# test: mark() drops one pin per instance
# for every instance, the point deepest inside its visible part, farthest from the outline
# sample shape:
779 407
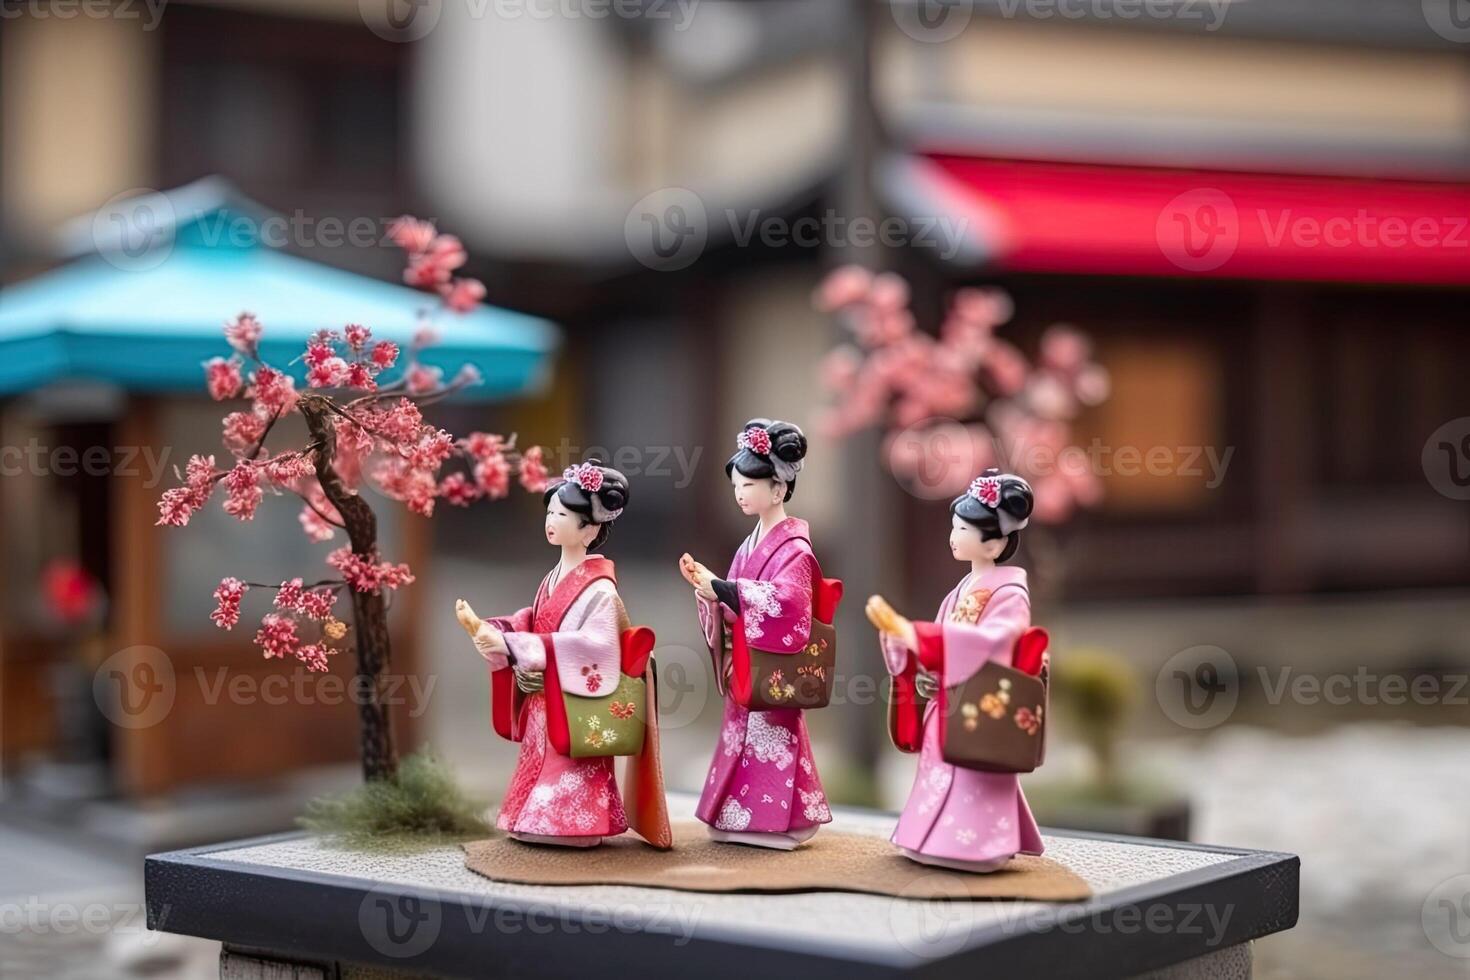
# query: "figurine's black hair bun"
612 495
1016 501
788 444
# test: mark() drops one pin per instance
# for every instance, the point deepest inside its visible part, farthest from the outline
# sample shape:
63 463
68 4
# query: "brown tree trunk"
369 612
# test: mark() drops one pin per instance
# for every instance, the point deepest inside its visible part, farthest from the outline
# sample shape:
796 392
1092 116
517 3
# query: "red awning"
1083 219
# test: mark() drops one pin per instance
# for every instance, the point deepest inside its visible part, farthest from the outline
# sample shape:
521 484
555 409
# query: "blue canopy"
148 320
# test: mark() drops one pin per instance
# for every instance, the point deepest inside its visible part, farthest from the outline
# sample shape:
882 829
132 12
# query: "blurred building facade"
535 131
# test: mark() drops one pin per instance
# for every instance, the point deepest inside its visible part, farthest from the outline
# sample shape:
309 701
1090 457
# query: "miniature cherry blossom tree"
359 433
965 396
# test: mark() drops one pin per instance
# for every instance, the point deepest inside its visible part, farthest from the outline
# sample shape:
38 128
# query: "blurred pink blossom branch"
967 382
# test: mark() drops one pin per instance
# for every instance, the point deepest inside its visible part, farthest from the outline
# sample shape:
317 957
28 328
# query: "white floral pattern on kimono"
757 601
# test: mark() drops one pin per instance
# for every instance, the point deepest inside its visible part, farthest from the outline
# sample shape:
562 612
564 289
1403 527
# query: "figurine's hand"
467 617
888 621
492 646
698 576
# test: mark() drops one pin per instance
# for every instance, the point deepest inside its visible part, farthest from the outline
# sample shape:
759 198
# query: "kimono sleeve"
777 610
588 650
520 620
955 651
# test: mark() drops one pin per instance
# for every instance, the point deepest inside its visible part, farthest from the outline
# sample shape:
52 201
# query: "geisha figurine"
573 646
762 787
964 814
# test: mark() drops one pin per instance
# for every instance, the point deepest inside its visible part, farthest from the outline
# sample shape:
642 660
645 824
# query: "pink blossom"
467 376
989 307
411 234
448 251
839 367
422 379
199 472
242 430
1064 348
384 354
483 445
227 602
290 595
431 449
243 333
357 336
394 575
243 486
463 295
399 422
317 603
423 272
368 574
274 392
314 526
223 377
179 504
277 636
353 446
318 351
534 475
176 506
889 293
492 476
456 489
314 655
844 286
360 375
328 374
414 486
1093 385
288 468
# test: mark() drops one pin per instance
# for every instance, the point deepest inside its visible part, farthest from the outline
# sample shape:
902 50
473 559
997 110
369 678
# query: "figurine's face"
967 545
756 495
564 527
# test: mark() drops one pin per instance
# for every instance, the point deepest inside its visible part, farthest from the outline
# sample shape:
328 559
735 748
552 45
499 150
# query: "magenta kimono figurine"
958 816
762 788
573 645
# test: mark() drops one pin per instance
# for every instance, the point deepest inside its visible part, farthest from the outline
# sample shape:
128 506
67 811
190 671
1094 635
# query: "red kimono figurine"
762 787
574 638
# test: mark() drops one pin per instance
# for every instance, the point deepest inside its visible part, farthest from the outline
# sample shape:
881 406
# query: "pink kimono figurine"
762 787
957 817
577 618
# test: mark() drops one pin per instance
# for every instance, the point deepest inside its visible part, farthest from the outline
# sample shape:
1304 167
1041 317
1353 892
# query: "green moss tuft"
420 807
